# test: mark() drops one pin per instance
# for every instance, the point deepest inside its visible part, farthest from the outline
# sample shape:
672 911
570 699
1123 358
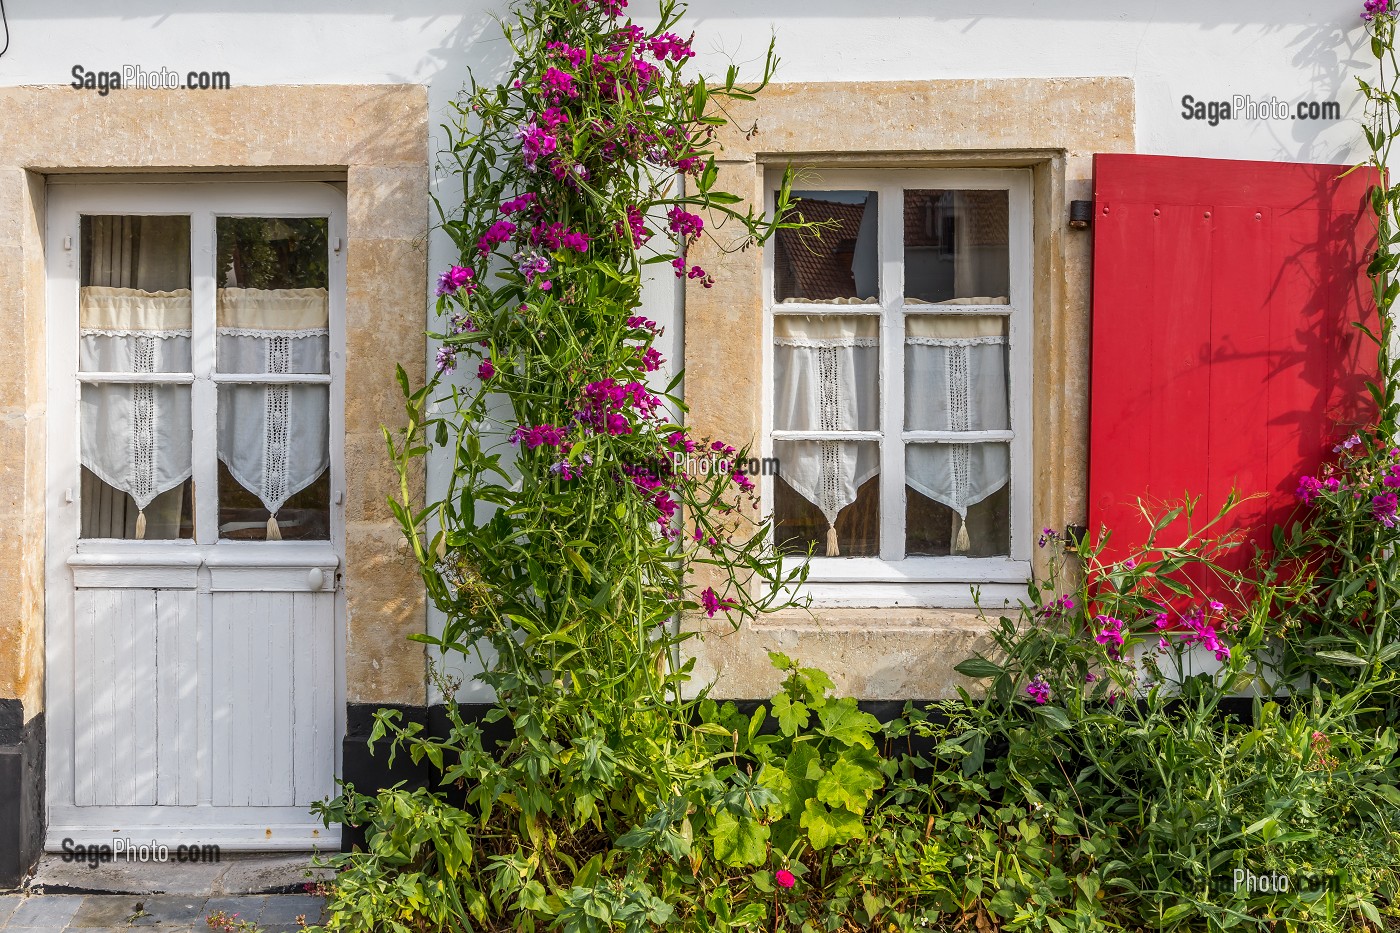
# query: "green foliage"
1142 732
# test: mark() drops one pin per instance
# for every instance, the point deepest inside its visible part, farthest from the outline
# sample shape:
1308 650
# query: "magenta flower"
1374 8
516 205
485 371
556 84
535 144
1038 690
684 224
540 435
1383 507
1112 631
785 878
1308 489
454 279
499 232
712 603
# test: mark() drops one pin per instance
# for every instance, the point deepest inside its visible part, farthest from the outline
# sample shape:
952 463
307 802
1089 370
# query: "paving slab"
99 912
50 910
284 909
247 907
8 903
170 909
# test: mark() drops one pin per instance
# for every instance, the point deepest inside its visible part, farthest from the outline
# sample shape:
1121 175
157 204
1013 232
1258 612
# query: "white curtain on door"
134 438
826 377
275 440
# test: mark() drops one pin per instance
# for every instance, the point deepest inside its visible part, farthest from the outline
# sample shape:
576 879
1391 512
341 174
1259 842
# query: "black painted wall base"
21 793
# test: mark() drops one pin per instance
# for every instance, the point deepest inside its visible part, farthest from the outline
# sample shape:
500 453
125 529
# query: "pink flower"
499 232
1383 507
785 878
712 603
1308 489
485 371
446 360
455 278
556 84
1112 631
516 205
683 223
1038 690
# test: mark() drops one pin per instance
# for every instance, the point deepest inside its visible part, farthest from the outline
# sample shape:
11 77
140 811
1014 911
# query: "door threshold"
233 874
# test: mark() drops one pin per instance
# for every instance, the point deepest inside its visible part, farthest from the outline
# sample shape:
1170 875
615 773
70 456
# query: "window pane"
273 301
835 262
826 372
955 373
957 500
135 451
274 455
827 497
134 295
955 247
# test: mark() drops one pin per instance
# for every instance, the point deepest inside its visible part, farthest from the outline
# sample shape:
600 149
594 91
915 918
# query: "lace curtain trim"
271 334
822 343
954 341
109 332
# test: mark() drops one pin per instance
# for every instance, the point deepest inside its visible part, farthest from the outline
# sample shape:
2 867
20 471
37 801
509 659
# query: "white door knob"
315 578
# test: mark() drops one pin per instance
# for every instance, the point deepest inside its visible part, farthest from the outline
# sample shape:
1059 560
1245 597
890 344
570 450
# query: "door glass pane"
274 458
955 372
273 301
135 451
955 247
826 372
837 260
957 500
134 294
827 496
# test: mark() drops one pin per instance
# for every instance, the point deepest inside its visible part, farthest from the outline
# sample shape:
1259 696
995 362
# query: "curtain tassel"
964 542
274 533
833 545
141 525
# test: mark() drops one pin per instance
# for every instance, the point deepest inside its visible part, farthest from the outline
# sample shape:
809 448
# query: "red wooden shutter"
1223 352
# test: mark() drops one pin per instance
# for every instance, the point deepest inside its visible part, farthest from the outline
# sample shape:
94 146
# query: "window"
204 372
899 380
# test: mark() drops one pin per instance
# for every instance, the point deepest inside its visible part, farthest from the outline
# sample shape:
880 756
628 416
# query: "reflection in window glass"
956 247
837 260
957 500
828 498
274 459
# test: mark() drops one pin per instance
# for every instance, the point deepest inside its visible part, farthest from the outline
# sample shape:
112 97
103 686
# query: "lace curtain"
275 440
137 438
826 373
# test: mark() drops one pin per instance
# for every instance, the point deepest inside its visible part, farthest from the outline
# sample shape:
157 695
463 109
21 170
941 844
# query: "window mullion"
891 252
204 397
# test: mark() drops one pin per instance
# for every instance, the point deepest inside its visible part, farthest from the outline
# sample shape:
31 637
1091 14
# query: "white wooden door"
195 532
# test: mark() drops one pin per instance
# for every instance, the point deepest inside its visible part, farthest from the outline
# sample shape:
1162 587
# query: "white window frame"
894 579
202 203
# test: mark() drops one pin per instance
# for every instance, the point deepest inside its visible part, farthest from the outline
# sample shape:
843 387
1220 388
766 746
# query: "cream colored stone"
904 654
384 597
377 136
387 201
1052 127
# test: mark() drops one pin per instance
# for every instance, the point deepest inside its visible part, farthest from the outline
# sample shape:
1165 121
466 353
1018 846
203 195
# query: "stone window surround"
373 138
1052 126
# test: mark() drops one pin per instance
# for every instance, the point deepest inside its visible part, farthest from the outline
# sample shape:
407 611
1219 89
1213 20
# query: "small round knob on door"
315 578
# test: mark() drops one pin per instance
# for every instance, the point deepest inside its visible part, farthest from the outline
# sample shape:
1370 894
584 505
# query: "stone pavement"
160 913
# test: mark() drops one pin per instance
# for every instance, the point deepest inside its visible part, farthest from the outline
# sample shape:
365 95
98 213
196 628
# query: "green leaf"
844 722
792 714
848 785
826 828
1342 657
1054 716
739 841
977 668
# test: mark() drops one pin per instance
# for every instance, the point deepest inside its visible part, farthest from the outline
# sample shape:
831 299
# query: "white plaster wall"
1290 49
